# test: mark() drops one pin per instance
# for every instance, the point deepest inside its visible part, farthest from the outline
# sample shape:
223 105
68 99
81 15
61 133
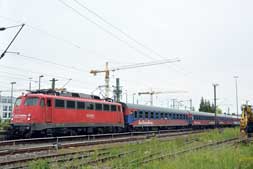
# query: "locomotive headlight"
29 117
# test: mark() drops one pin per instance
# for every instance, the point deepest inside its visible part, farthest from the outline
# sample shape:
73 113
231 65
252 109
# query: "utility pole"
190 104
173 103
215 119
12 83
39 80
133 97
30 83
126 95
117 91
236 95
53 83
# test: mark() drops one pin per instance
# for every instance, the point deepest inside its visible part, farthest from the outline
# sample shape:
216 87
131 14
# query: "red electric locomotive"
64 113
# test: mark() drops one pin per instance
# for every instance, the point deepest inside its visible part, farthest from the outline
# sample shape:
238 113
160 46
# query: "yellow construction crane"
151 93
132 66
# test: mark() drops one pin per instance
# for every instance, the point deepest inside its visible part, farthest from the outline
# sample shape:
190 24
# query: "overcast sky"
213 39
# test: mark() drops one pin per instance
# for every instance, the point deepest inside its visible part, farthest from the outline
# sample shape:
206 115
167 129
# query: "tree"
218 110
205 106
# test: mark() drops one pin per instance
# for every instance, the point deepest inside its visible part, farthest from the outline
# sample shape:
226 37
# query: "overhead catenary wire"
49 34
127 35
48 62
107 31
118 29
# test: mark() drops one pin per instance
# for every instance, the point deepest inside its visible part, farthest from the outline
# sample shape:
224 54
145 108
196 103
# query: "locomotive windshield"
30 101
18 102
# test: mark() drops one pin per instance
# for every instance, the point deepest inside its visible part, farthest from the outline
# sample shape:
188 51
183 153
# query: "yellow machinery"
246 122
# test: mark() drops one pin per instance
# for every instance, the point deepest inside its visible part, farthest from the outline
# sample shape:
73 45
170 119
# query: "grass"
215 158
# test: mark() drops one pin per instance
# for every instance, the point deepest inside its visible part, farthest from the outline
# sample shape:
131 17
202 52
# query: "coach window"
166 115
151 115
135 115
80 105
98 106
59 103
140 114
162 116
106 107
170 116
42 102
146 115
90 106
70 104
157 115
173 116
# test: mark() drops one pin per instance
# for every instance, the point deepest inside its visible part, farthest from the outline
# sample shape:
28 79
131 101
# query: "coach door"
49 110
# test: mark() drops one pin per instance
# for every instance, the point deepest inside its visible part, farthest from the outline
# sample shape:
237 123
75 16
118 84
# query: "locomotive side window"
90 106
70 104
106 107
59 103
42 102
113 108
31 101
80 105
98 106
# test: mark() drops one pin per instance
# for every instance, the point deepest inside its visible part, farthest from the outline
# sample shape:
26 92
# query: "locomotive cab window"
59 103
31 101
18 102
42 102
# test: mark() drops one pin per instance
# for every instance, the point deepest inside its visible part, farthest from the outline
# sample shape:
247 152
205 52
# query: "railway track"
55 143
161 155
10 158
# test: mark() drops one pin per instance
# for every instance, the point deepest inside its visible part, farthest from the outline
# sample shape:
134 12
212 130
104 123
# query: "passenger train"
51 113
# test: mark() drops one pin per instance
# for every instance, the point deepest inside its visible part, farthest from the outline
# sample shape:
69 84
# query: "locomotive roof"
71 98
